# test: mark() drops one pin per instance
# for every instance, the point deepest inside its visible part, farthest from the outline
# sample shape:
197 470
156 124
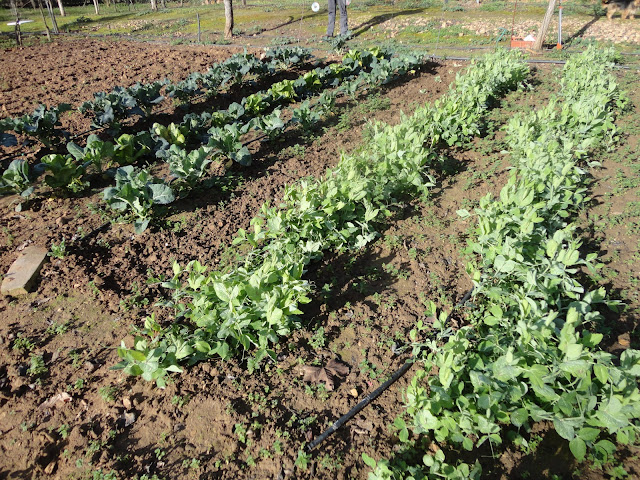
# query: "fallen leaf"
317 375
62 397
624 340
335 368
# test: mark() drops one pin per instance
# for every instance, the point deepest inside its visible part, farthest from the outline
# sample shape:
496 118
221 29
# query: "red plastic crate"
519 42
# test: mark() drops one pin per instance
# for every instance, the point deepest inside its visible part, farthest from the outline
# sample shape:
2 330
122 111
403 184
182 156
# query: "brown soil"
73 70
215 420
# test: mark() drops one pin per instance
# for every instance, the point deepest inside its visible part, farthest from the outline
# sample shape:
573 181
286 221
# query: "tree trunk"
52 16
44 20
33 4
16 13
228 19
244 3
95 4
164 4
545 25
154 5
61 7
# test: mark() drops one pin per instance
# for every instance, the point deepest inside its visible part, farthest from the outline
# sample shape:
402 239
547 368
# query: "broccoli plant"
147 95
305 116
271 124
109 109
189 167
41 124
227 140
134 195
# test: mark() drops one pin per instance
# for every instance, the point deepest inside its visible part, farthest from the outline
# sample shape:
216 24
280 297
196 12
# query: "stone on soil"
23 272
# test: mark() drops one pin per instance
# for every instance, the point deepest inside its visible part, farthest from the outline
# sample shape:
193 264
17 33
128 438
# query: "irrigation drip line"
376 393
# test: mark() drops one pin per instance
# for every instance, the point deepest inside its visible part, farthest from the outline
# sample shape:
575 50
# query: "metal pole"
559 45
199 33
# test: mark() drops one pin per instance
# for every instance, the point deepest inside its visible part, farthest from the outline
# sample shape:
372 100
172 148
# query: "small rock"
23 272
178 427
22 370
126 402
353 392
89 367
624 340
129 418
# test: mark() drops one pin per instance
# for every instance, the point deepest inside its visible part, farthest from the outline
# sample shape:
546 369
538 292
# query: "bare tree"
154 5
545 25
16 13
44 20
52 16
228 19
61 7
97 7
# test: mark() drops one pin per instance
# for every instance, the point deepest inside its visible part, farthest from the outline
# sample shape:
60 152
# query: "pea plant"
526 354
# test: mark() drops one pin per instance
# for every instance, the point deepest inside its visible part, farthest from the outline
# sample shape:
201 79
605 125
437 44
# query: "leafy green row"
225 138
110 109
249 308
73 171
527 355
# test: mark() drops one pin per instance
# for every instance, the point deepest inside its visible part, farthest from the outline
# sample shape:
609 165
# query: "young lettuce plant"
16 179
129 148
65 173
173 134
95 153
135 193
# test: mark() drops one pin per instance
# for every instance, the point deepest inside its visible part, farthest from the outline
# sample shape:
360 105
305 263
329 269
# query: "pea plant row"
529 351
190 146
111 109
249 307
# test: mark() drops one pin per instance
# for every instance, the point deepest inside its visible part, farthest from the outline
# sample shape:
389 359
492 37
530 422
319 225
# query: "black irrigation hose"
363 403
373 395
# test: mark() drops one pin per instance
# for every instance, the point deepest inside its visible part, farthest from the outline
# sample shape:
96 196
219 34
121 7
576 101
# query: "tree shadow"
582 30
378 19
292 19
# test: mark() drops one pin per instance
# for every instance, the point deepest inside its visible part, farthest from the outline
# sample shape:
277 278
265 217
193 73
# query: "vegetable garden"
237 257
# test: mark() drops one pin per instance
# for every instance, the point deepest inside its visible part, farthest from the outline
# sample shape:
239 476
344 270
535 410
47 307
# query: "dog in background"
627 8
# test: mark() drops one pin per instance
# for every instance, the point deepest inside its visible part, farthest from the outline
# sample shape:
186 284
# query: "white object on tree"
13 24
